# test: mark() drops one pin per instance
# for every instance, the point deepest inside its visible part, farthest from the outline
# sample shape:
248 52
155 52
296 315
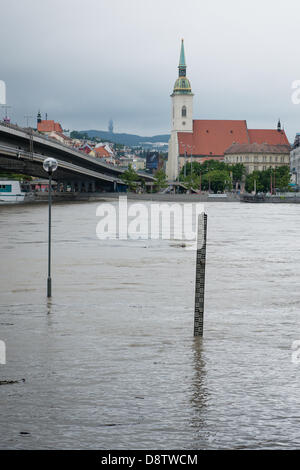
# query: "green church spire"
182 56
182 85
182 64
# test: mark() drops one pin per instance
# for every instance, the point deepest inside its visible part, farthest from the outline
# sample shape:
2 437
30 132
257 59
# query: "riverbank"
42 198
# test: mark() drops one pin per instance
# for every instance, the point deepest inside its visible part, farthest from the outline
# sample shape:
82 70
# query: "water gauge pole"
200 275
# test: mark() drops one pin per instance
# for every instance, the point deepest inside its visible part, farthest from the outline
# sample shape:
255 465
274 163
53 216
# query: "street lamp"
49 165
184 169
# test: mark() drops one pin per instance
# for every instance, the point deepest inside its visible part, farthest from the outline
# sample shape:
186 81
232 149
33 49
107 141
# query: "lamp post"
184 169
49 165
192 148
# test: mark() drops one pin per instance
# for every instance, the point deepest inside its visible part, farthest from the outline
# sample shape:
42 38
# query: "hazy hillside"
127 139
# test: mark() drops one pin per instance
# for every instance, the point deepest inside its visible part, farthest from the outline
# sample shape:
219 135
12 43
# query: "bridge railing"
32 132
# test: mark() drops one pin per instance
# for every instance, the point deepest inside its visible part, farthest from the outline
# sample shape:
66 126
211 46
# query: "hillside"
127 139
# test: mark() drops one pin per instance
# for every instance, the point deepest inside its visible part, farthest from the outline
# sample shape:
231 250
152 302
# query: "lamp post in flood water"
49 165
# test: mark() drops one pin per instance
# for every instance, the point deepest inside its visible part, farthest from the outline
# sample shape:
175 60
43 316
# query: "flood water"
111 362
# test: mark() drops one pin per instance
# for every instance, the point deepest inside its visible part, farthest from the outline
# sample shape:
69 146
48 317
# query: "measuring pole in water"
200 275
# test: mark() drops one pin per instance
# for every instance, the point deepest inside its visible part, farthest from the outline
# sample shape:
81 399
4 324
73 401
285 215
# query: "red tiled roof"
213 137
49 126
101 152
257 148
268 136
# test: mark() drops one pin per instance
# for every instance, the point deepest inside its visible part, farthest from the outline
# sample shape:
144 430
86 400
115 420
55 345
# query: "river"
111 362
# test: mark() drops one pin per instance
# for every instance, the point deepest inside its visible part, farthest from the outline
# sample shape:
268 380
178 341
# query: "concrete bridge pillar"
93 186
86 186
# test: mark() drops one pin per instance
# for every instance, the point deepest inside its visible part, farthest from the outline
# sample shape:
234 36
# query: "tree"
217 180
79 135
279 176
237 170
131 178
161 179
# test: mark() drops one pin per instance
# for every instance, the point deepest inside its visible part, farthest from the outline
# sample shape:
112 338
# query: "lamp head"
50 165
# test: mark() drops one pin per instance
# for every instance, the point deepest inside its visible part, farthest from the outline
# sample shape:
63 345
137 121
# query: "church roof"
270 136
49 126
213 137
237 148
182 85
182 56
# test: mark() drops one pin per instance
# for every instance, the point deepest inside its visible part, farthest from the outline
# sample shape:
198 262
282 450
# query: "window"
5 188
183 111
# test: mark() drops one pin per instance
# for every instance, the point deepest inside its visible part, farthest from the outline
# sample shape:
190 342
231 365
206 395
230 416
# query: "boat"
253 197
11 191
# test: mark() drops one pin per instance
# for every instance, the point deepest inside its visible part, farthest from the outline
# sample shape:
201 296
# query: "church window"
183 111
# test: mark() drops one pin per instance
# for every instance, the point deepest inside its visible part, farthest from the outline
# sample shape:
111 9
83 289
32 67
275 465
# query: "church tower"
182 115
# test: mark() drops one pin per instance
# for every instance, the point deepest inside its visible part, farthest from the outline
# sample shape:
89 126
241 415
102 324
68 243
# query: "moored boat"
11 191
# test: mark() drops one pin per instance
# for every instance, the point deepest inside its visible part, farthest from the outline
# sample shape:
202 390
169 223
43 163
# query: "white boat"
10 191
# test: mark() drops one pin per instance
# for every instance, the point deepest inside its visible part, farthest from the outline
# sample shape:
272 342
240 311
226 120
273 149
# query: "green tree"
131 178
217 180
279 176
79 135
161 179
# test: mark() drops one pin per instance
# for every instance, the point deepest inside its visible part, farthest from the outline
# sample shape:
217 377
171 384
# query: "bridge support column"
72 186
86 186
93 186
80 186
65 186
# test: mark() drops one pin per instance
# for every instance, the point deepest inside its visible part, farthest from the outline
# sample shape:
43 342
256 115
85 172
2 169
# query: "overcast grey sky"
84 62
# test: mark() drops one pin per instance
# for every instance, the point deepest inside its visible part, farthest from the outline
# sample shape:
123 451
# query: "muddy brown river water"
111 362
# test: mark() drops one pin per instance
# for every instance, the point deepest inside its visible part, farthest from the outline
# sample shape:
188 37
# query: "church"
205 139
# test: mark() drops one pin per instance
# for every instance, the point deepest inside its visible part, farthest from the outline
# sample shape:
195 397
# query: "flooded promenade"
111 362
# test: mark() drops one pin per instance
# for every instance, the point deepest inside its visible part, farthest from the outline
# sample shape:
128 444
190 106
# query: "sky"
84 62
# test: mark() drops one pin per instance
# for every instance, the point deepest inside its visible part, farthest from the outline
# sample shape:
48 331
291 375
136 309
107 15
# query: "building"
60 137
205 139
258 157
46 126
295 160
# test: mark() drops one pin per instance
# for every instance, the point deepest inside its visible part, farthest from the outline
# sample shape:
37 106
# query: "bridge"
24 150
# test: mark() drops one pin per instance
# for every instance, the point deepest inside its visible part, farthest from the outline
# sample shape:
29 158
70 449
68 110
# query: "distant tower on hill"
111 126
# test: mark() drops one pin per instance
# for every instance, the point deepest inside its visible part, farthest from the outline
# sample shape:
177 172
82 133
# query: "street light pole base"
49 287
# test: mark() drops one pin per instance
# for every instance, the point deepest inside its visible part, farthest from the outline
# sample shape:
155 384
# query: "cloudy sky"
86 61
